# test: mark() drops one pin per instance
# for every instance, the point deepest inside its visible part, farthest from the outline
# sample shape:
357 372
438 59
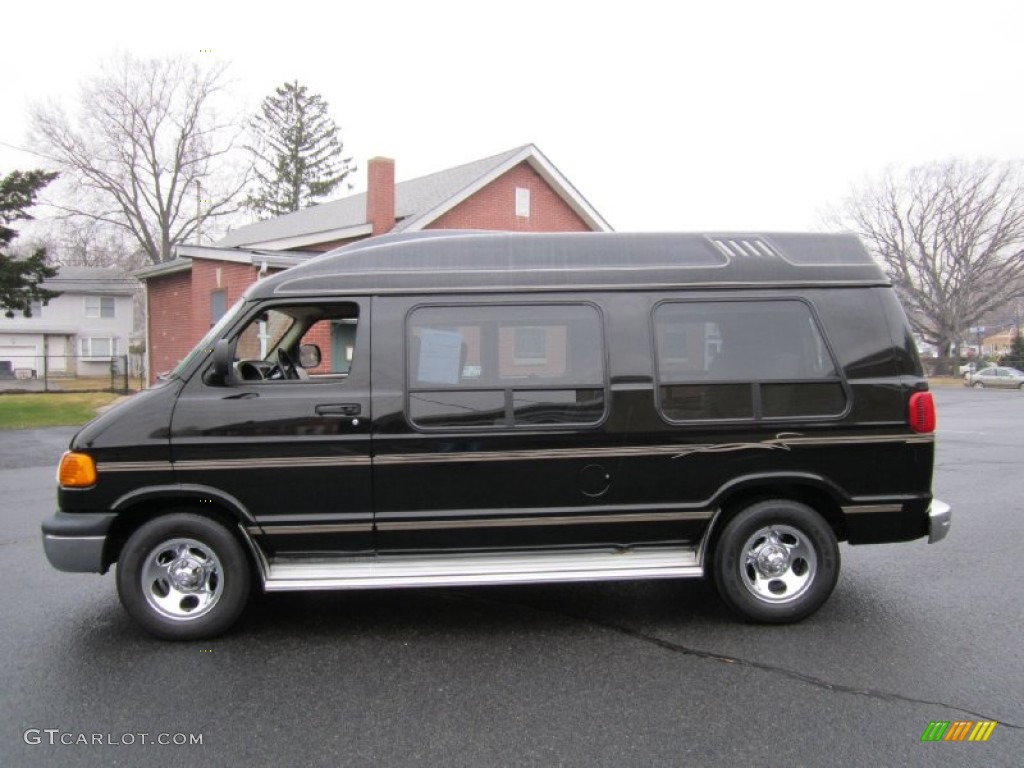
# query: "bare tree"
89 243
951 236
146 153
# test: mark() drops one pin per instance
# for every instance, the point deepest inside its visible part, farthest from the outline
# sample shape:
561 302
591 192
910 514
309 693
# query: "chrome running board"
475 569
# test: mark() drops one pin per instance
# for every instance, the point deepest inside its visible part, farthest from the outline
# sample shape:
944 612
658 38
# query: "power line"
28 151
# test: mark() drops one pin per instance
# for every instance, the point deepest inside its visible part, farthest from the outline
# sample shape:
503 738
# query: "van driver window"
300 343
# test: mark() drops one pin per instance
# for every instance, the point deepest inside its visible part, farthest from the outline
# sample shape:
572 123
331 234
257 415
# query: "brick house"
999 344
519 190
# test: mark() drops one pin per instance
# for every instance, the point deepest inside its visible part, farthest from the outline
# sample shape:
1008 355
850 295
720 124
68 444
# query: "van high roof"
454 261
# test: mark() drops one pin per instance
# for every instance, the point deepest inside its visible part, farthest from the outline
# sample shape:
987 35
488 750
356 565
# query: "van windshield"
206 343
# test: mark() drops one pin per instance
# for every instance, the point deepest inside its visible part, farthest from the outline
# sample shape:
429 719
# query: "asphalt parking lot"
625 674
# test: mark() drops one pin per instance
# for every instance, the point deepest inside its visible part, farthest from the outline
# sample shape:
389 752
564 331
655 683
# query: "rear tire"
183 577
776 561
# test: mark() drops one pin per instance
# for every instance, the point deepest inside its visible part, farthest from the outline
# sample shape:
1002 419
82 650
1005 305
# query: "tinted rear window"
743 360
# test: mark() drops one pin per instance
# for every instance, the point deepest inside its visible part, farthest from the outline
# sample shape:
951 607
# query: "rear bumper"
940 515
75 542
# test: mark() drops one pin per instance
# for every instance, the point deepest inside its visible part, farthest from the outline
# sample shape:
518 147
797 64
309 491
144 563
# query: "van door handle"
338 409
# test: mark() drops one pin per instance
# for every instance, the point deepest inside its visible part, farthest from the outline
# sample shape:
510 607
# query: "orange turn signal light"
77 470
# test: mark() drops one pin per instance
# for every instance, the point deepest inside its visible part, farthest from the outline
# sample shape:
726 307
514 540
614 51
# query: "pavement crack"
791 674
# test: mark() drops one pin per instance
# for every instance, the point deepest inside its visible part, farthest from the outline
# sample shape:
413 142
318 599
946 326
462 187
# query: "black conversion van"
478 408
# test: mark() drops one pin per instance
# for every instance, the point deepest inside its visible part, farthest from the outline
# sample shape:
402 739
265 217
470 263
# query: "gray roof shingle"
106 280
412 198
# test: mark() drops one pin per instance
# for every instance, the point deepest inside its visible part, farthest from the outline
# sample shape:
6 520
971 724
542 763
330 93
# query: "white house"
77 333
924 348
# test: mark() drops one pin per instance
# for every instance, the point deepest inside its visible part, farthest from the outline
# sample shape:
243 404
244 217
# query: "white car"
996 376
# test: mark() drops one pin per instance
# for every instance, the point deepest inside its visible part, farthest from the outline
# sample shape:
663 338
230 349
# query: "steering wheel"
284 362
249 371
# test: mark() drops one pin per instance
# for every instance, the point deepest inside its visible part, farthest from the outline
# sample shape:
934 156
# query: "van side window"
305 343
505 365
743 360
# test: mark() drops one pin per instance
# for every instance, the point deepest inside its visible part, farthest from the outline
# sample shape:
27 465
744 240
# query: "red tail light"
922 412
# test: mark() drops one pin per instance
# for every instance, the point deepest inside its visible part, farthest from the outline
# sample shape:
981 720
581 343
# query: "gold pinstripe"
520 522
783 441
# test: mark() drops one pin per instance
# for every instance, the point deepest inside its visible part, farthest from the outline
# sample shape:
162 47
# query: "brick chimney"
380 194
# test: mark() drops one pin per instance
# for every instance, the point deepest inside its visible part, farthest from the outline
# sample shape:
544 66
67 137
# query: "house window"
522 203
343 342
98 346
217 306
531 346
35 309
99 306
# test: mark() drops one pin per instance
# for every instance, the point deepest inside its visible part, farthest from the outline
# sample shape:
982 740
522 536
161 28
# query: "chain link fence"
951 366
70 373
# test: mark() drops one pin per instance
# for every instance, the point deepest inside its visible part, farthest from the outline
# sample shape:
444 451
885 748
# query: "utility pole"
199 211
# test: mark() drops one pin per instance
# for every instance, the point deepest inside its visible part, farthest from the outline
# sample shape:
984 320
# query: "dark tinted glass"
800 399
684 402
717 358
739 341
454 408
502 346
557 406
505 365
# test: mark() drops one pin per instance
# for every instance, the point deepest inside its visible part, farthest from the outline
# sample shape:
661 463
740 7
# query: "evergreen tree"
20 277
296 151
1015 357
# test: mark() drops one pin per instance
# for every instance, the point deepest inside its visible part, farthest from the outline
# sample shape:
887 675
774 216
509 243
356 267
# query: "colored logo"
958 730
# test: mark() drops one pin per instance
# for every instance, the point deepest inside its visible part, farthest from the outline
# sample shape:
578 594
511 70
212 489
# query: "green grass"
95 383
946 381
50 409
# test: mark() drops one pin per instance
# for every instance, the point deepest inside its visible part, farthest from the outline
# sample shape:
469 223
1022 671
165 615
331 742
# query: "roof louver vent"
744 247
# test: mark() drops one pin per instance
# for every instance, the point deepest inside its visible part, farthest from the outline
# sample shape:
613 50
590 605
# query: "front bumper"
940 515
75 541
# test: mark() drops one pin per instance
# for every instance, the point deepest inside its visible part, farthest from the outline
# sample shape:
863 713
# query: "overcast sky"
713 115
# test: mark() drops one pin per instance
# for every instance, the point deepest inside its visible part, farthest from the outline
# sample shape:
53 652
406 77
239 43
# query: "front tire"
776 561
978 385
183 577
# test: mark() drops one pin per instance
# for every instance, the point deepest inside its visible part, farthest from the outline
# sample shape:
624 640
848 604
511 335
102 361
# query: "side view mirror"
221 370
309 356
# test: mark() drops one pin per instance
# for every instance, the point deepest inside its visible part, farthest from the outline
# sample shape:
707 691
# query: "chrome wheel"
183 576
182 579
776 561
778 564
